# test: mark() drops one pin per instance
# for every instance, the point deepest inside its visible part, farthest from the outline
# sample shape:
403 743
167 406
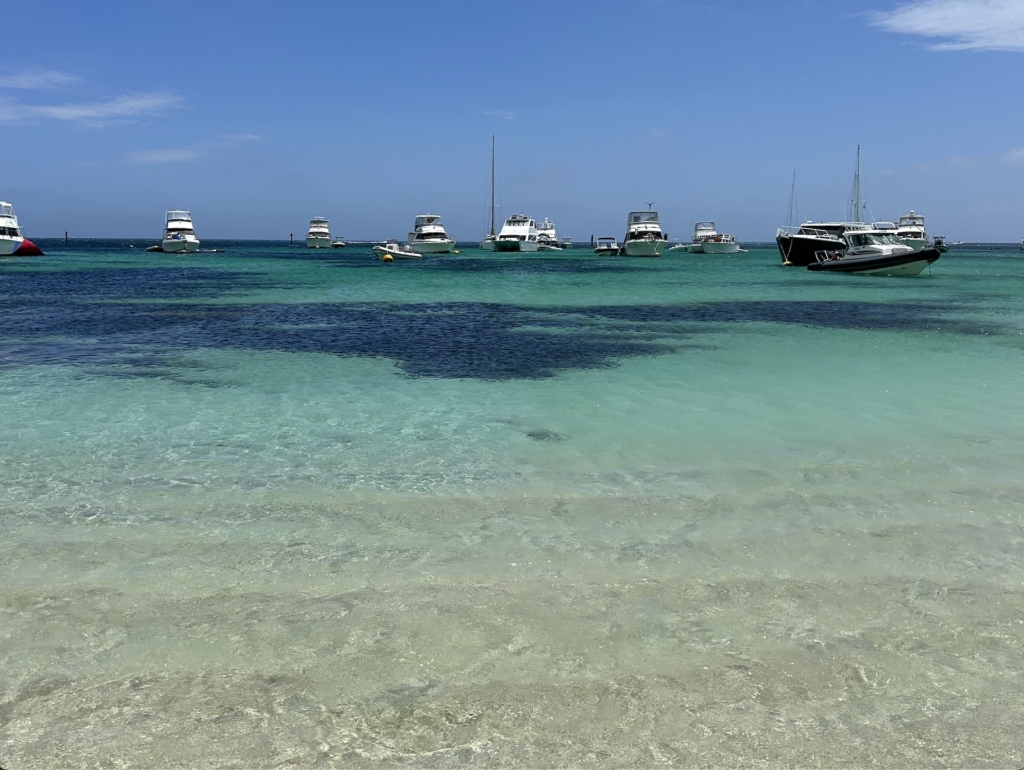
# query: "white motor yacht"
547 238
606 247
707 240
644 237
178 233
429 236
12 242
319 235
911 230
519 233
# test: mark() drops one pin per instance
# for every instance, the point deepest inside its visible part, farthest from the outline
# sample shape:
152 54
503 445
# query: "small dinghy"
395 250
902 263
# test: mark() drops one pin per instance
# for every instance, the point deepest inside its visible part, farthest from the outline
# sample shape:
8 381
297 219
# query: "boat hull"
172 246
914 243
711 247
609 252
644 248
9 245
800 250
487 245
318 242
382 251
908 263
522 246
432 247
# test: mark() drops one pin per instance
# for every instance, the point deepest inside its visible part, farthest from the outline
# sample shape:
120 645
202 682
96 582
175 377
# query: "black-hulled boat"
799 245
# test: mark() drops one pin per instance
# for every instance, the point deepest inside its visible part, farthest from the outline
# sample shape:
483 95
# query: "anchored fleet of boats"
852 246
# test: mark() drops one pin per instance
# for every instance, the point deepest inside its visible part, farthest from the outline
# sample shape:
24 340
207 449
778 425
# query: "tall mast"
856 186
492 184
792 199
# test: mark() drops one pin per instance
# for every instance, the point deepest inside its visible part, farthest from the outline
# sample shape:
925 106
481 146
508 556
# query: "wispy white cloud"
37 78
91 113
191 152
1015 156
967 25
506 114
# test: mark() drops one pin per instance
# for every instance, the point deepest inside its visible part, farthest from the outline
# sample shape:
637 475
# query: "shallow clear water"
274 506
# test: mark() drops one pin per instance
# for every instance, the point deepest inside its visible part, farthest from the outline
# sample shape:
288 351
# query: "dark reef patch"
135 322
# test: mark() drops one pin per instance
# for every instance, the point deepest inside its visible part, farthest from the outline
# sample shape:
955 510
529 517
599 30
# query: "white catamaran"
519 233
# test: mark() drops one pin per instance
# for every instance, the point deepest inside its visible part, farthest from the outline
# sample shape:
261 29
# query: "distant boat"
338 244
547 238
940 244
487 244
12 242
566 243
707 240
519 233
179 237
395 250
606 247
911 231
429 236
319 235
644 237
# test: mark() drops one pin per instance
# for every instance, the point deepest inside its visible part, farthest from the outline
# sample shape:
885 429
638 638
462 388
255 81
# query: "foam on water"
272 506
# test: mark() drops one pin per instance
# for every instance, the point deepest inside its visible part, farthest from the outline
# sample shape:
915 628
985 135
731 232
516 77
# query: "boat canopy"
704 226
427 219
318 221
639 217
176 216
6 209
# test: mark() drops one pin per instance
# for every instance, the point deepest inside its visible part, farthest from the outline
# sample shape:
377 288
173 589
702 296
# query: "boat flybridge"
429 236
519 233
178 233
644 237
12 242
547 238
319 235
911 230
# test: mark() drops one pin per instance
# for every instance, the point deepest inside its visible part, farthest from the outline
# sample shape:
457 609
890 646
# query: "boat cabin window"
420 221
872 239
179 216
639 217
12 231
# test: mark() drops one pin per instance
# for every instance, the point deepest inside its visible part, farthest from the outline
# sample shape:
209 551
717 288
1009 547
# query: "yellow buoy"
455 252
387 258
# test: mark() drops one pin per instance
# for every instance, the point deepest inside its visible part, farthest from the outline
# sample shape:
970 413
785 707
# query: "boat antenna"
492 184
792 201
650 204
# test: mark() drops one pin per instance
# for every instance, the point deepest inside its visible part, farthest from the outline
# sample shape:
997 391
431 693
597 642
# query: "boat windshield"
427 220
639 217
873 239
179 216
911 221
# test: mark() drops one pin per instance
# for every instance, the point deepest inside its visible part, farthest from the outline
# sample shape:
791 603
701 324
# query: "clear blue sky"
258 116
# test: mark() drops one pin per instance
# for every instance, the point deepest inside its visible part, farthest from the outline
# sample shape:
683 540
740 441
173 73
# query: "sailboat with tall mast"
488 242
799 245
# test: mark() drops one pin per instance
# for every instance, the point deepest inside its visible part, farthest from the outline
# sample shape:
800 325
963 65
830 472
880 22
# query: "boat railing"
792 230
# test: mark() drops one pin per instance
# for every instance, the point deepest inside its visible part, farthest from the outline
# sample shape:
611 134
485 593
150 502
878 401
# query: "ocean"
276 506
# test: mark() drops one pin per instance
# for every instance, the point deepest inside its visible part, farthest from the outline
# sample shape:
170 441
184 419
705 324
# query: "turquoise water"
273 506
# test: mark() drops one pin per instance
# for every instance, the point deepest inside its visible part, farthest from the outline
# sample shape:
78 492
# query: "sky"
257 116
